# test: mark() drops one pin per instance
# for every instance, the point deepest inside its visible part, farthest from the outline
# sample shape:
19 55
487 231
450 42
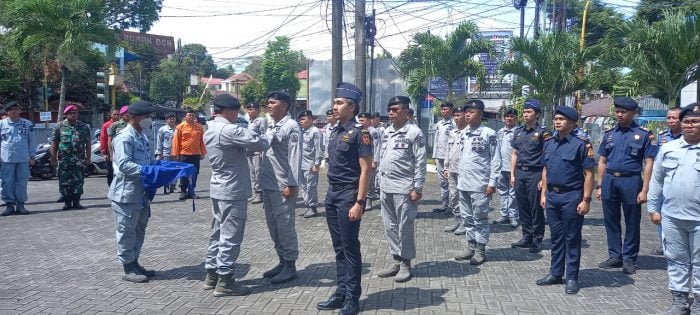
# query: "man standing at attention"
443 128
627 154
104 144
188 147
164 143
509 213
280 179
17 152
311 162
349 171
70 150
257 124
454 150
228 145
331 124
402 174
365 120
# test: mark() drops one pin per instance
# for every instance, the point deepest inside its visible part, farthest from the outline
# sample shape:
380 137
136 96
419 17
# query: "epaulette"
582 137
358 125
644 129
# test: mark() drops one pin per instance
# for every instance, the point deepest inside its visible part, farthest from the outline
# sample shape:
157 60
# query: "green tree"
450 58
224 73
279 68
254 68
195 59
168 83
656 10
125 14
60 30
549 65
252 92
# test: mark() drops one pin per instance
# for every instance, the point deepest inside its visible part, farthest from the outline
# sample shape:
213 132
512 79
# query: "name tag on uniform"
400 145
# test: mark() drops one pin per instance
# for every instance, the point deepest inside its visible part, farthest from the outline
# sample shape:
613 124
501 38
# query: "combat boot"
310 213
67 202
479 255
695 307
455 225
131 274
76 202
183 195
288 273
679 306
144 271
392 270
211 279
21 209
274 271
461 230
471 248
227 286
404 273
257 199
10 210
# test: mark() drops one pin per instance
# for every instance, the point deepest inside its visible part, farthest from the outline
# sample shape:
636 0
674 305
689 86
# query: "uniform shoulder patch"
589 150
294 136
653 139
546 135
420 141
366 138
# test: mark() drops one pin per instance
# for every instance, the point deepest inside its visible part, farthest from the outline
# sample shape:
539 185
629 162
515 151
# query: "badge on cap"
696 109
636 137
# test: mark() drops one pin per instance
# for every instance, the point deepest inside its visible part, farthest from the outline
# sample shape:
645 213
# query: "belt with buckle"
622 174
559 189
530 168
339 187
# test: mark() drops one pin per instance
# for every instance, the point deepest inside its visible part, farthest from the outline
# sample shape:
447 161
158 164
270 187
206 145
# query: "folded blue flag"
162 173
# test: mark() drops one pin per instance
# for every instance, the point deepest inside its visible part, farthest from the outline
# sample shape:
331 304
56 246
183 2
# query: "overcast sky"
231 29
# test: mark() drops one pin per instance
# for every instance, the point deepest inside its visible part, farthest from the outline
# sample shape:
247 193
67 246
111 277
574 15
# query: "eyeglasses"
693 122
393 109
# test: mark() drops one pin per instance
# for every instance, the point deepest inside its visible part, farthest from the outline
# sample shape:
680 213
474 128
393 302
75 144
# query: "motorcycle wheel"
49 174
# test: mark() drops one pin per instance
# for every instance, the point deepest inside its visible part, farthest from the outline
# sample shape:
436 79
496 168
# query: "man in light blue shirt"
164 142
17 150
673 192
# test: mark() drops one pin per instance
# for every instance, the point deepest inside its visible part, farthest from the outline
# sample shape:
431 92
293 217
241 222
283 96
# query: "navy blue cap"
349 91
568 112
510 111
329 112
364 115
459 109
532 104
376 115
253 105
141 108
474 104
625 102
399 100
447 104
280 96
11 105
692 110
305 113
227 101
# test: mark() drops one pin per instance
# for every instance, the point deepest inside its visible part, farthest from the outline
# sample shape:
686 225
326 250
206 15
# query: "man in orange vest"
188 147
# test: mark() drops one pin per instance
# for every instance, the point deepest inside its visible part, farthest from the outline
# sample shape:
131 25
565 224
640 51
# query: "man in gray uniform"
129 203
310 162
479 168
674 203
402 172
257 125
454 150
331 124
509 214
17 150
228 145
280 178
365 119
443 128
164 142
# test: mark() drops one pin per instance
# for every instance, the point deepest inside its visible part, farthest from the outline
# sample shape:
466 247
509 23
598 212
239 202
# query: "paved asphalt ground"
55 261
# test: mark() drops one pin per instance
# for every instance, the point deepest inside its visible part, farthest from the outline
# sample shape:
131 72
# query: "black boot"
144 271
133 275
76 202
67 202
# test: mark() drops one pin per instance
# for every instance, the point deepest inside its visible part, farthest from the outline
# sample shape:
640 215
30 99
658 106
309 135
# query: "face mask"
146 123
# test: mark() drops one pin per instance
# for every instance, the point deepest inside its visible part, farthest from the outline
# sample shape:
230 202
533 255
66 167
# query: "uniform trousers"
279 214
681 239
14 182
309 188
565 228
528 198
345 240
444 184
110 172
507 193
474 207
399 216
454 195
227 227
185 181
619 195
254 163
130 220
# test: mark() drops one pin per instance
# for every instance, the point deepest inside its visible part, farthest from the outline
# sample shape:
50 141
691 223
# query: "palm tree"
549 65
56 29
450 58
660 54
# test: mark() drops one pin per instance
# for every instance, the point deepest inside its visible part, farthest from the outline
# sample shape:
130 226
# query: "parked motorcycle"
44 170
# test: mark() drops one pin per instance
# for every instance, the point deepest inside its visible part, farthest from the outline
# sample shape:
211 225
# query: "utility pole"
371 31
520 5
538 9
563 16
337 45
360 52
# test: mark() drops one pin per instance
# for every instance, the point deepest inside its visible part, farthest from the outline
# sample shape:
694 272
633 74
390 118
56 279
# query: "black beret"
253 105
329 112
280 96
459 109
11 105
568 112
305 113
399 100
692 110
376 115
474 104
533 104
364 115
447 104
349 91
510 111
169 115
226 101
141 108
625 103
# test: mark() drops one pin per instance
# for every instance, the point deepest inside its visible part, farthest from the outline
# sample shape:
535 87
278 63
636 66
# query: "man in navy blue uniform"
566 196
349 172
525 176
625 152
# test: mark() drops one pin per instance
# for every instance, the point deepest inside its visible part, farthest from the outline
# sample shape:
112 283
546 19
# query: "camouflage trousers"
71 176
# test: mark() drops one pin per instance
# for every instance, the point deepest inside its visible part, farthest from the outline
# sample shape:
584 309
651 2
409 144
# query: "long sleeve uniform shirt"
454 150
442 134
675 181
104 137
281 164
480 162
402 164
312 155
18 143
188 139
131 152
164 140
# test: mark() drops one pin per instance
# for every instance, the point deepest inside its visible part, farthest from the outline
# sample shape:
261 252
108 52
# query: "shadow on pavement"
589 278
648 262
594 221
512 254
402 299
314 275
444 268
196 272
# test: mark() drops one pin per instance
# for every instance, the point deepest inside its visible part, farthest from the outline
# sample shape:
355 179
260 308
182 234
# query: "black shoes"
502 221
336 301
144 271
571 287
628 267
440 210
522 243
9 211
535 248
550 280
610 263
658 251
351 307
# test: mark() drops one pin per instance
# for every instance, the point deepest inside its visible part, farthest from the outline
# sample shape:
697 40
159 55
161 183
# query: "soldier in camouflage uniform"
70 150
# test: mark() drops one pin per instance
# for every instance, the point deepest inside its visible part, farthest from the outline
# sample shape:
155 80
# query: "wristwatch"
587 199
361 202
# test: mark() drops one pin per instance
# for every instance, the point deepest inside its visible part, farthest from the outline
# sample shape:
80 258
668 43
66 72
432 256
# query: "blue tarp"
163 173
